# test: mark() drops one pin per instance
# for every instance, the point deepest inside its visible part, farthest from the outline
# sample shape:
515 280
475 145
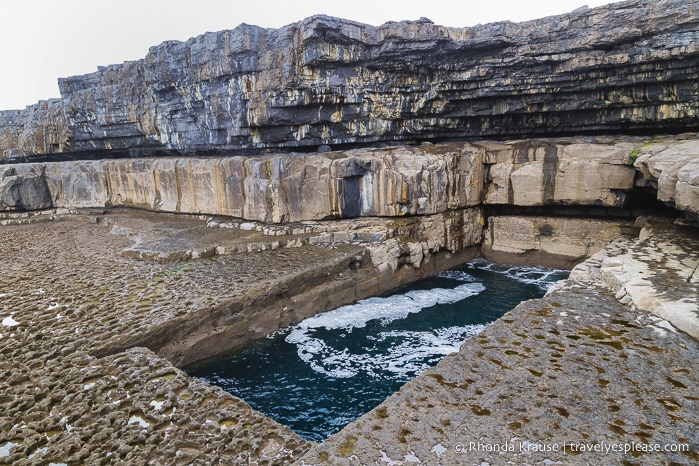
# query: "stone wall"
554 241
627 66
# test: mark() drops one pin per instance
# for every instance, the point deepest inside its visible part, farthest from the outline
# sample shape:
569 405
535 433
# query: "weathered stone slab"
564 172
66 407
282 188
574 378
23 187
556 241
658 273
672 169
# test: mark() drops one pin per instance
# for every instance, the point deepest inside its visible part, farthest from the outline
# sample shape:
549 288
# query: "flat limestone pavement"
98 307
578 377
68 294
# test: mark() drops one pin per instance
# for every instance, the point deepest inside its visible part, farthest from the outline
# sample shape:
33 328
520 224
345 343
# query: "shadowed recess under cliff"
625 67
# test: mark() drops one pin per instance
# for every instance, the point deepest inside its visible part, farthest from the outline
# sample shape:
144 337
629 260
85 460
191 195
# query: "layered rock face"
628 66
280 188
390 182
532 192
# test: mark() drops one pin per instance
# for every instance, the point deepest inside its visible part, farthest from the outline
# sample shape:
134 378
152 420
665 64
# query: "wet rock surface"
69 295
577 377
84 293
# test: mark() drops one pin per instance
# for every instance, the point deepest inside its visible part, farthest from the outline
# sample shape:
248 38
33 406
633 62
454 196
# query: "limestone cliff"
624 67
391 182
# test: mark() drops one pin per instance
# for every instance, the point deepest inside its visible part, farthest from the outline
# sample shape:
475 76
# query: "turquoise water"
318 376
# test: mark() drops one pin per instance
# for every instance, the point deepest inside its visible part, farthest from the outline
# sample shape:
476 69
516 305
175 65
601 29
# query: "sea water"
318 376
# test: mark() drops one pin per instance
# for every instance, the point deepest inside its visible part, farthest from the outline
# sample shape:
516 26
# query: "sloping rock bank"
626 67
578 377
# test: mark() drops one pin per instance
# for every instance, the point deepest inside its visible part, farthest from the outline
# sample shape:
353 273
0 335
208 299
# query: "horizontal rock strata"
555 241
99 306
628 66
391 182
76 311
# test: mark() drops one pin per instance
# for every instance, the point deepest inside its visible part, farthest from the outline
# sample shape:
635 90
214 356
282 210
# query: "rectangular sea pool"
320 375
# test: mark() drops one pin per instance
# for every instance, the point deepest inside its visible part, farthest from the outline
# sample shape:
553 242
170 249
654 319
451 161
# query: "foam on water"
458 275
398 358
385 309
542 277
332 368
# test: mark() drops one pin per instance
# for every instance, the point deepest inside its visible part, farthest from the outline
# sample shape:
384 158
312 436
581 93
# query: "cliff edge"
628 67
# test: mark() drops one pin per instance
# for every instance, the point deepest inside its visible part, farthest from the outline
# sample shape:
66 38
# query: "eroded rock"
23 187
325 82
672 169
557 241
558 379
388 182
656 273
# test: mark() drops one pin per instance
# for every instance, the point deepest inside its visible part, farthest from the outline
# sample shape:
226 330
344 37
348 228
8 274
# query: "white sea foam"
407 350
385 309
400 353
542 277
458 275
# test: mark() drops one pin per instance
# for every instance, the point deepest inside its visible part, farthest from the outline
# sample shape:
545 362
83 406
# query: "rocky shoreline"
77 374
157 215
94 297
585 375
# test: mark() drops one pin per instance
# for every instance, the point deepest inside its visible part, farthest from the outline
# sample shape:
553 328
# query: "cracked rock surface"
69 295
579 369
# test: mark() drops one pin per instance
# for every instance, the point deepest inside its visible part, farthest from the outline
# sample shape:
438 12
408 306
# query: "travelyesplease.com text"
569 447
